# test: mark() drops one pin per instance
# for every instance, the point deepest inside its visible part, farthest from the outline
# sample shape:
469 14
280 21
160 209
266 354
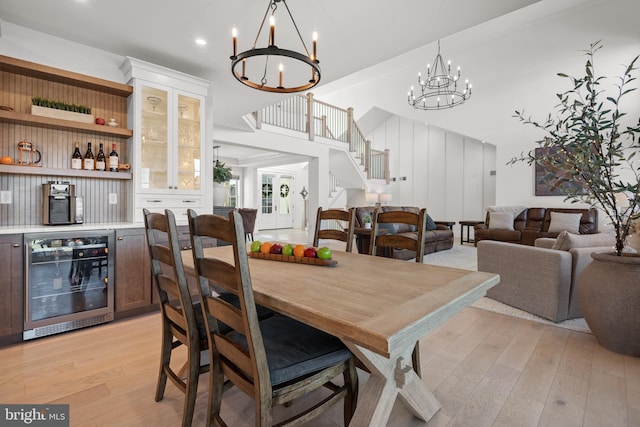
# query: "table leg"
390 379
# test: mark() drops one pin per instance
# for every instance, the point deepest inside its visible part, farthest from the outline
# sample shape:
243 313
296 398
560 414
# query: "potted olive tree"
599 147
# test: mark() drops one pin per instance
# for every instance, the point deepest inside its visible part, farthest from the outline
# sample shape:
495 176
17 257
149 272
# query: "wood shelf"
48 122
33 170
32 69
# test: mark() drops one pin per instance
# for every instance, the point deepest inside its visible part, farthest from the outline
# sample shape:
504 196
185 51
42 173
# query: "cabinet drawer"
177 204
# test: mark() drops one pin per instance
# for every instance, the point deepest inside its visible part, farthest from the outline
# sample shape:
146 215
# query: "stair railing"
302 113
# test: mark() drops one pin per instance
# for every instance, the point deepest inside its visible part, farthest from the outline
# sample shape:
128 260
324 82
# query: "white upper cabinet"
168 151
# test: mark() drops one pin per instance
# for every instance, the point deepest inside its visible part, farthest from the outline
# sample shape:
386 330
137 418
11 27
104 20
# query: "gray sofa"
538 279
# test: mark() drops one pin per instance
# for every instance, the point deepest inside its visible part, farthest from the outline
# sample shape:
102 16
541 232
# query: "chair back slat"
346 218
399 241
225 312
220 274
168 285
240 356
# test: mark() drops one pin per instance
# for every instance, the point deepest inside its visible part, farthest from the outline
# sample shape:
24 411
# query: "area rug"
465 257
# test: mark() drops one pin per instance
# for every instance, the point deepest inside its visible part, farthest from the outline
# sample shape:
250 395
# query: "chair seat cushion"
294 349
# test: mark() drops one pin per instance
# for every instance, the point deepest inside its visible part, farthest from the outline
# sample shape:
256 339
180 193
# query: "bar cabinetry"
133 272
11 289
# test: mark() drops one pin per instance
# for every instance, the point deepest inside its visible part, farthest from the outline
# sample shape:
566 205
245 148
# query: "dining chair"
273 361
248 221
346 218
182 320
413 241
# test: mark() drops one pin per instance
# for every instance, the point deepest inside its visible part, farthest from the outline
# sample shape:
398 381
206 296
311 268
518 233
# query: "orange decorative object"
6 160
298 250
265 248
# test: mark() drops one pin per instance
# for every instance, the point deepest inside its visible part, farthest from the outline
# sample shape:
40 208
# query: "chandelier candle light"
440 89
293 62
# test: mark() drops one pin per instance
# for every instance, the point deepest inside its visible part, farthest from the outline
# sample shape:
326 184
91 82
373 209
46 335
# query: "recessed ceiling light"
201 42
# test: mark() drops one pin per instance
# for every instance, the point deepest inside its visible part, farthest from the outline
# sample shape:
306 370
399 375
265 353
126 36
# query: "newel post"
386 165
310 116
258 116
349 125
367 158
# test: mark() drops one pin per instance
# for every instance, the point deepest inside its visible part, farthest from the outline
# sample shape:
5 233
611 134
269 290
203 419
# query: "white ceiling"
369 51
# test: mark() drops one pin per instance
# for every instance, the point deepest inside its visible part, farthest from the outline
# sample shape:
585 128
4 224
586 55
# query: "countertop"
18 229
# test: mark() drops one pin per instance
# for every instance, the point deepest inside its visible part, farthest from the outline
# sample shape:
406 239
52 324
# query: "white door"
276 201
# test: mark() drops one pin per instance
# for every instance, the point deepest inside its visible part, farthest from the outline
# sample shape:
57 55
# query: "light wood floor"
485 368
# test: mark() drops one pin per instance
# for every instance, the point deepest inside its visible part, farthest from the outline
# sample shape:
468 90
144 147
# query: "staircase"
352 161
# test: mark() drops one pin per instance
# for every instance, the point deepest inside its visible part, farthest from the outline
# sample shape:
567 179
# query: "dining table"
379 307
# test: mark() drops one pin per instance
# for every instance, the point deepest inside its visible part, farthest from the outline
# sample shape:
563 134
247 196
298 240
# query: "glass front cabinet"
168 151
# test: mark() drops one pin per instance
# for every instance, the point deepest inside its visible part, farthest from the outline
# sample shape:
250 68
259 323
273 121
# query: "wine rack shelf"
34 170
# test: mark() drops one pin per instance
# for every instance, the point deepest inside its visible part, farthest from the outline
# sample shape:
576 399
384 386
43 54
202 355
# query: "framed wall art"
549 178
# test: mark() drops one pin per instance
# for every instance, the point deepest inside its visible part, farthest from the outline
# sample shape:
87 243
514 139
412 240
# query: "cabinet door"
133 270
171 126
155 142
189 145
11 290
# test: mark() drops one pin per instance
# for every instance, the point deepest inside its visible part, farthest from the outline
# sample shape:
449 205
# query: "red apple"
310 252
100 121
276 248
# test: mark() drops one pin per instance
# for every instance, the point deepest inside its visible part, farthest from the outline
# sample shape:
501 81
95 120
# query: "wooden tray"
296 259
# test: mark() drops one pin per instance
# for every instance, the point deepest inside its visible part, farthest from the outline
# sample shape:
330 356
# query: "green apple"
287 250
324 253
255 246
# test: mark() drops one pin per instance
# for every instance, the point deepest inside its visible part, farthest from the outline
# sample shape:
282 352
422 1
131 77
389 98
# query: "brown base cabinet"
11 289
133 285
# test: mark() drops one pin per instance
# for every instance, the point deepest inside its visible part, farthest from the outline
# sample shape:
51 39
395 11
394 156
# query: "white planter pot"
220 194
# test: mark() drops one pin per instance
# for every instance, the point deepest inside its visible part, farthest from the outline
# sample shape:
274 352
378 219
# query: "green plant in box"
221 173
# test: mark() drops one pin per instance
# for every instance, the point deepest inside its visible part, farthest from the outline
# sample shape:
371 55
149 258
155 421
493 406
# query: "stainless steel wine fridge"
67 282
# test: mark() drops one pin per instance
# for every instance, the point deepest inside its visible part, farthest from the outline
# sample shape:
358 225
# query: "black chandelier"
302 68
440 89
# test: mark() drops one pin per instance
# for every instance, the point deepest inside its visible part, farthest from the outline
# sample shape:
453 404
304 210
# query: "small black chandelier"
302 69
440 89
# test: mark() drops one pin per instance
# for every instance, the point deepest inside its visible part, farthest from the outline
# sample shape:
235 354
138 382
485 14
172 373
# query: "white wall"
513 63
445 172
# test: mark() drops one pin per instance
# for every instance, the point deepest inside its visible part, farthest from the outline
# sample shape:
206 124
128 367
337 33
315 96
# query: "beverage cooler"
67 281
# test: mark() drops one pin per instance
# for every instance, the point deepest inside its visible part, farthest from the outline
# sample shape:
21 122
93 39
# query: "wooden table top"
374 302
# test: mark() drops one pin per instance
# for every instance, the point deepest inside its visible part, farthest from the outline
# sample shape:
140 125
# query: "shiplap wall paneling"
420 162
406 179
472 180
454 175
436 165
392 134
489 176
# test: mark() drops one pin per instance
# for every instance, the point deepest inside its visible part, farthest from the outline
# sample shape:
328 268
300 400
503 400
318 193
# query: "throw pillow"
565 221
566 240
430 224
501 220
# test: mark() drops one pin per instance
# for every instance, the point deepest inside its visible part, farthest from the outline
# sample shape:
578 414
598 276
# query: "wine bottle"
76 158
101 160
114 160
89 159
